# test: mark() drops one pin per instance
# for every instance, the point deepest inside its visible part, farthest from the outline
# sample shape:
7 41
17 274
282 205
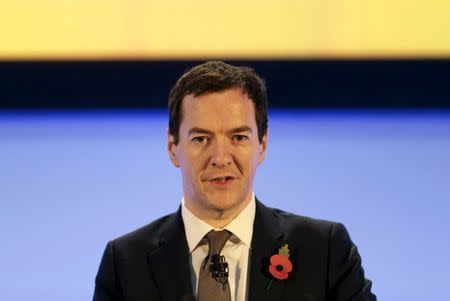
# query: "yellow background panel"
95 29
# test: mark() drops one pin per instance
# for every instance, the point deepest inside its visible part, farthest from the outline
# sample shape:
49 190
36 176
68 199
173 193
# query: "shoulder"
312 229
291 220
295 220
147 237
324 251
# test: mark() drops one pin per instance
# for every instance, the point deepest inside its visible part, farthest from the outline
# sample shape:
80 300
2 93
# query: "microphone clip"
219 268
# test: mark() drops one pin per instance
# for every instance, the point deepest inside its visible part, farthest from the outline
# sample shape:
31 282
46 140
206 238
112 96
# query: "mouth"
221 182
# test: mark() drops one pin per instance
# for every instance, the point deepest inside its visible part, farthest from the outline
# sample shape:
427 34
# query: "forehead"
227 108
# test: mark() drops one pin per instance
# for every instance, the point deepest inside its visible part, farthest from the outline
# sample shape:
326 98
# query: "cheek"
185 158
248 163
191 170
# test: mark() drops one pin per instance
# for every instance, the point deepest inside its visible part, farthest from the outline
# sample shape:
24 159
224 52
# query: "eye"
240 138
200 139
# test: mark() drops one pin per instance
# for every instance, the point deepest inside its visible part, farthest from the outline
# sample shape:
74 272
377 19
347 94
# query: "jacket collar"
267 239
169 261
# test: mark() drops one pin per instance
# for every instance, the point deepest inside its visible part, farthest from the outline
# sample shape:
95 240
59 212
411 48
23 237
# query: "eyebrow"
241 129
197 130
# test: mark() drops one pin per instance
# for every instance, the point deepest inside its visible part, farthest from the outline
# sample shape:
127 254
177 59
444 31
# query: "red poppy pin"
280 265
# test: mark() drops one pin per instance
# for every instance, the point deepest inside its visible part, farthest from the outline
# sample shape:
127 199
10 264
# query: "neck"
217 218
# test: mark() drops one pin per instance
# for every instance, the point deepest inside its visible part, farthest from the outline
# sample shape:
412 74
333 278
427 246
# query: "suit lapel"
169 263
267 239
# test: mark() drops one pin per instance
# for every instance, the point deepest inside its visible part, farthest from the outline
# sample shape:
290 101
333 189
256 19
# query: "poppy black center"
279 267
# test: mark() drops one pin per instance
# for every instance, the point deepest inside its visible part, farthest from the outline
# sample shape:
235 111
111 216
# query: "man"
222 243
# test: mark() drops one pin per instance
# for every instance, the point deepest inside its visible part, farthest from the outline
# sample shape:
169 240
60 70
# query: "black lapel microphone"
219 268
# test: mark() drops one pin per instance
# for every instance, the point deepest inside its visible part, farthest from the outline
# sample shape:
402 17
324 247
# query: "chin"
224 203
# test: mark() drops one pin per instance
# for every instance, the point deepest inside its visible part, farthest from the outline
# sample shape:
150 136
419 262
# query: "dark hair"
216 76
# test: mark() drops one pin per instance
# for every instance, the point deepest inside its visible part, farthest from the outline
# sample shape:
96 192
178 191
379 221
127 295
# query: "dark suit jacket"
152 263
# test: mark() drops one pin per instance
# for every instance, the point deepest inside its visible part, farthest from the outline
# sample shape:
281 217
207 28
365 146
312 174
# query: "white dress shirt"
236 249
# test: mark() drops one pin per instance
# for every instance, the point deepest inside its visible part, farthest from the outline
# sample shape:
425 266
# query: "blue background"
72 180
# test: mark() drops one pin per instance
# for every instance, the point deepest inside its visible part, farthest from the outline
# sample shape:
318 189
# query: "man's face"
218 152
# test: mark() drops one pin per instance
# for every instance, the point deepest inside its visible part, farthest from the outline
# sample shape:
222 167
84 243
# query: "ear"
263 147
171 147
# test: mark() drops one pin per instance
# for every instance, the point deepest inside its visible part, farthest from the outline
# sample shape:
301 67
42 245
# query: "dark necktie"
209 288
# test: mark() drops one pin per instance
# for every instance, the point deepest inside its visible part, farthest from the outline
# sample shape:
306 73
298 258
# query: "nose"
221 155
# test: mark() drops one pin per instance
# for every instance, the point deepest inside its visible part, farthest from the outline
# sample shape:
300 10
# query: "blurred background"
359 128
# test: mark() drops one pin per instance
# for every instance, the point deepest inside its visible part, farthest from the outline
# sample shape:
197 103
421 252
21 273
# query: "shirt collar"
241 226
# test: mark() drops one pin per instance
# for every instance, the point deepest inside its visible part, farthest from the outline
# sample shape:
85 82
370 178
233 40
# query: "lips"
221 182
221 179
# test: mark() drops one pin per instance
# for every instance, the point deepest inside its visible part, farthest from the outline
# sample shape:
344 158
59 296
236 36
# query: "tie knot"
216 240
